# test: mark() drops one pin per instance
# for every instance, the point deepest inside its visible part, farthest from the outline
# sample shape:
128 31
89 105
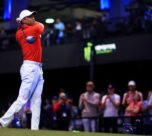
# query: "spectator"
134 110
129 96
148 113
150 103
54 100
49 118
47 36
132 98
89 104
59 28
110 104
78 26
74 113
47 108
54 121
62 112
69 30
86 29
78 31
135 107
62 94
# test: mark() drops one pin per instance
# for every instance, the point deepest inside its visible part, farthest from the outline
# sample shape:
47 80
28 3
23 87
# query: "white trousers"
30 90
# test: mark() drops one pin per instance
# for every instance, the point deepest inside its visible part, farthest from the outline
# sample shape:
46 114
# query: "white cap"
25 13
131 83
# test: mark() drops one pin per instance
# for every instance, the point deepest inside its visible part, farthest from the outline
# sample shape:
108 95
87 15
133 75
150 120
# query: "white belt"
32 62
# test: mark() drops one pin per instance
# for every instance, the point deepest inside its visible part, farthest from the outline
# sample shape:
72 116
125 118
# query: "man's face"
110 90
132 88
89 87
30 20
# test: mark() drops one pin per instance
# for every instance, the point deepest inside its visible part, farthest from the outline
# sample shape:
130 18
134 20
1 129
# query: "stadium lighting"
104 4
49 21
7 10
105 48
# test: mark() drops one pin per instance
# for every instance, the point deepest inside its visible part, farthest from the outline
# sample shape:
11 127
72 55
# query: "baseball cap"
25 13
131 83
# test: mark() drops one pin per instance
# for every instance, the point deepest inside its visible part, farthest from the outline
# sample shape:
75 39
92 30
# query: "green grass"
25 132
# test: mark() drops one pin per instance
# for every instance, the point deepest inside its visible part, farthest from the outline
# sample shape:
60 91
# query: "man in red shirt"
28 36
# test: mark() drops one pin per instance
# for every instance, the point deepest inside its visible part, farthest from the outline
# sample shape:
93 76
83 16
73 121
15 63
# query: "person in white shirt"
110 104
150 102
147 110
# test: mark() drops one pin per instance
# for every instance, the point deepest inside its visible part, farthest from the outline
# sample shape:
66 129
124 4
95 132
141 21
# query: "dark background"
65 67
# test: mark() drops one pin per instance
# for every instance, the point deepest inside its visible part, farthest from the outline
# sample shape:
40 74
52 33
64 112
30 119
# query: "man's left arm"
39 27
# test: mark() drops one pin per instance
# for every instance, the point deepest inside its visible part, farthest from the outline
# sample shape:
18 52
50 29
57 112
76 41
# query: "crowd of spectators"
72 31
78 30
109 112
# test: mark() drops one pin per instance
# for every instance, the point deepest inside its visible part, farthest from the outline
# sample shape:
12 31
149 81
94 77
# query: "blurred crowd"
78 30
73 31
95 112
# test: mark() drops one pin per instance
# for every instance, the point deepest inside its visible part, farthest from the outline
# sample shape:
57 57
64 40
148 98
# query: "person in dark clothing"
63 113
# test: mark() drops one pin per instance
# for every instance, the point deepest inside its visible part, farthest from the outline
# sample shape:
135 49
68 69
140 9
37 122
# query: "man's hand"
110 98
83 99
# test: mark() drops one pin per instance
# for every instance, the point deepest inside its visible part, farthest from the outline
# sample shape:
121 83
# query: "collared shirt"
32 52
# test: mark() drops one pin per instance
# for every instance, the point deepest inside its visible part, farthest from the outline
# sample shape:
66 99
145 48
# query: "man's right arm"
124 99
103 101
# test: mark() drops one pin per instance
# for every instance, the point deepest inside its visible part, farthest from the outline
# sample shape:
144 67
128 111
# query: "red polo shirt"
32 52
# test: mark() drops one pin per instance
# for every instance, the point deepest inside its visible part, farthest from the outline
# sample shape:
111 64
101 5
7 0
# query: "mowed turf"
25 132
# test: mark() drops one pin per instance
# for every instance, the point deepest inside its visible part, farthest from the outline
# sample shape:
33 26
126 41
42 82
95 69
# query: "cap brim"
32 13
18 19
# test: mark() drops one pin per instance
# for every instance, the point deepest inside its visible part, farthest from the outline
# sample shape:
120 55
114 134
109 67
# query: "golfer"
28 36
